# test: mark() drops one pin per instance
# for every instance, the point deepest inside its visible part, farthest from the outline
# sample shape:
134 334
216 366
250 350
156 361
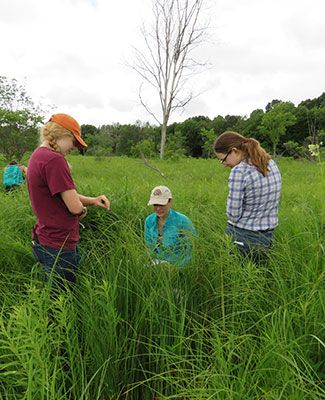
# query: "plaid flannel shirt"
253 199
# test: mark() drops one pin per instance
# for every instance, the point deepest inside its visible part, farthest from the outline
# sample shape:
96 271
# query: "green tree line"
282 128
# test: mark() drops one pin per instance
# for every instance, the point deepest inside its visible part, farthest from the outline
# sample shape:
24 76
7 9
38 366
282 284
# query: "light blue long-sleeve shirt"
175 245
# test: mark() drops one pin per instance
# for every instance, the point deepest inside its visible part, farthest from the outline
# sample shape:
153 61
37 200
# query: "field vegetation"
222 328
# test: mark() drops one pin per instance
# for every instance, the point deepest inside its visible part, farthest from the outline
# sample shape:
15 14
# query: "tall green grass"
222 328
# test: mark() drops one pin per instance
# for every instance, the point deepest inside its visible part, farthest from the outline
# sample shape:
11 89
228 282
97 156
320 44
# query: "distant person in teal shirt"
168 233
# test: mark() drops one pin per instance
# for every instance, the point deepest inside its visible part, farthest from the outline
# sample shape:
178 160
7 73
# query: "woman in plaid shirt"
254 192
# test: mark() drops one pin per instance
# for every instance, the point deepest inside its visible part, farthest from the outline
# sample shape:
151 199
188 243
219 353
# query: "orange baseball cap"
69 123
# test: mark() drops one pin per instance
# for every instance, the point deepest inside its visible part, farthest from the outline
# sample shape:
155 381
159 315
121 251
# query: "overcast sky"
73 54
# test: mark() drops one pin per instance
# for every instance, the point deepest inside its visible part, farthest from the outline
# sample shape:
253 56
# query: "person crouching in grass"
254 193
55 201
168 233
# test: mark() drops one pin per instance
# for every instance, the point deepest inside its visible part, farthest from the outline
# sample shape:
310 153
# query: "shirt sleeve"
236 195
58 177
146 233
189 227
188 233
151 237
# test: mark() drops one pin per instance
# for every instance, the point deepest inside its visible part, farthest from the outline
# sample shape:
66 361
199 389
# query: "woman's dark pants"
254 244
60 266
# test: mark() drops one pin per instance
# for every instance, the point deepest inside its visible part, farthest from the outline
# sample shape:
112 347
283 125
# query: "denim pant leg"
59 265
249 242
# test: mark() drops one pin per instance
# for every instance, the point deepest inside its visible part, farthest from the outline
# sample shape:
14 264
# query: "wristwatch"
84 210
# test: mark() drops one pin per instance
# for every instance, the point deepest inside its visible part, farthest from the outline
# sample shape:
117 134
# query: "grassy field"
219 329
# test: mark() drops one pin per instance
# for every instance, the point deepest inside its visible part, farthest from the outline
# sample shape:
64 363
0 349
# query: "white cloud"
70 96
72 53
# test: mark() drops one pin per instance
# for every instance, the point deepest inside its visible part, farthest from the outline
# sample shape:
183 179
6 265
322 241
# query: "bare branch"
147 108
152 166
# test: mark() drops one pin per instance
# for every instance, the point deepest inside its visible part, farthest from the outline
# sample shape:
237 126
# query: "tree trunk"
163 139
274 149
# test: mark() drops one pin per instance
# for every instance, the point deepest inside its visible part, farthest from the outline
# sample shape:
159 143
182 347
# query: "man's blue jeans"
60 265
252 243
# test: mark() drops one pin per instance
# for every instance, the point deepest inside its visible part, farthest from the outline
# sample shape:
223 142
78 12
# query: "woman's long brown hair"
253 151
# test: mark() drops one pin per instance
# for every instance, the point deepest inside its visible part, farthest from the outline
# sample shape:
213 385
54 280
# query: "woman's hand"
84 213
102 201
99 201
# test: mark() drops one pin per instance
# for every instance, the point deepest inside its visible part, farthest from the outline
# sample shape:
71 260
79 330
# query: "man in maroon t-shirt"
55 201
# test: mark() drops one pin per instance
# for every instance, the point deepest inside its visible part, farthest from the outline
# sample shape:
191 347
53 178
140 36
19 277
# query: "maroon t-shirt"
48 175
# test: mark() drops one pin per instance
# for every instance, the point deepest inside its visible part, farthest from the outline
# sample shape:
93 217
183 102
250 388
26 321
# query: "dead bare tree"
166 63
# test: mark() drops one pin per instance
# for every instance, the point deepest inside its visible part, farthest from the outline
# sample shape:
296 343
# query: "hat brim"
80 142
155 200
